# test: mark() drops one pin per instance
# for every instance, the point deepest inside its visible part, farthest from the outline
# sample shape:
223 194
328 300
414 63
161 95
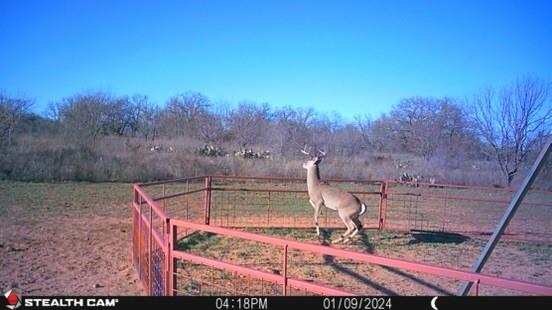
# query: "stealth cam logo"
13 300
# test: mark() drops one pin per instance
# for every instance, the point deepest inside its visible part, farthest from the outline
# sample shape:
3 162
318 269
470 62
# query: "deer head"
313 159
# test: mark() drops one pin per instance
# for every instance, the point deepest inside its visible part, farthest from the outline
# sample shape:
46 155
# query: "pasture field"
75 238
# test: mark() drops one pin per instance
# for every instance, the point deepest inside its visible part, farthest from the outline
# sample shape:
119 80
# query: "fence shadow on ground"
429 236
422 236
330 261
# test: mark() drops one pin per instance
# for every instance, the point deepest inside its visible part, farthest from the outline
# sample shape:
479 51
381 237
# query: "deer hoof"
337 240
346 241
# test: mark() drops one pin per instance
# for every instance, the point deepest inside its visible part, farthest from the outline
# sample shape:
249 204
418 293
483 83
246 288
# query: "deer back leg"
352 231
347 221
358 226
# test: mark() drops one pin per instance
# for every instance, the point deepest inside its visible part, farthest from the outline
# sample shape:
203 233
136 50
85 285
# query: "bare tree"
512 122
210 128
383 136
86 117
144 116
11 112
419 125
292 127
249 122
364 125
182 113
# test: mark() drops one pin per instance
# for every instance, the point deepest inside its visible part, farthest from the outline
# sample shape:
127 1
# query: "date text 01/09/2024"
241 303
356 303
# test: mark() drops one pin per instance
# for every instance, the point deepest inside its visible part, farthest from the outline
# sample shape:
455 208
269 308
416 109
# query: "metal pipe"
140 239
150 265
512 208
164 200
284 269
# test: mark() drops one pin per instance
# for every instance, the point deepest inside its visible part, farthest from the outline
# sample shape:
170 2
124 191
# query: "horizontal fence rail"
369 258
217 204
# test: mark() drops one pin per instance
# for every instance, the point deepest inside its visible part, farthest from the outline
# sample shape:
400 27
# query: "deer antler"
306 151
321 154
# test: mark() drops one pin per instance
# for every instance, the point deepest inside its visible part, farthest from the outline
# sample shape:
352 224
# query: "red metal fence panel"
184 206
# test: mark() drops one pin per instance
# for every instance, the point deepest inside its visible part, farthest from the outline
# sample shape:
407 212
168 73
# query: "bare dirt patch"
66 239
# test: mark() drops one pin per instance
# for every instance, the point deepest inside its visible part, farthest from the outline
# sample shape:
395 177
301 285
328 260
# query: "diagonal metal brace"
512 208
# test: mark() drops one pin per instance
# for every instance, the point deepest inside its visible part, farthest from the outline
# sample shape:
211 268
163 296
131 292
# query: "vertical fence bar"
268 210
207 199
384 197
140 239
168 257
187 200
380 214
164 200
174 238
150 237
284 269
133 211
444 213
477 287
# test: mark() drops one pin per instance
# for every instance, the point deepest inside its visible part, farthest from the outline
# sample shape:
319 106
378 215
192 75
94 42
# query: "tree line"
502 126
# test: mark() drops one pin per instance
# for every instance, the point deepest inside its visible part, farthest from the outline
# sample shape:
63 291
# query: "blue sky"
353 57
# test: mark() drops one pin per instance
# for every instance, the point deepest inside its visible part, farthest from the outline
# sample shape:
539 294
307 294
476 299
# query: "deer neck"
313 179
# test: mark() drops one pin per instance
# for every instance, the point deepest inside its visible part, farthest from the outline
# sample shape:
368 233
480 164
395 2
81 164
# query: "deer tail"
362 208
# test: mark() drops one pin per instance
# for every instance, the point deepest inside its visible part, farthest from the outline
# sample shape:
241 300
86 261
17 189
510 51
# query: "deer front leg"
317 209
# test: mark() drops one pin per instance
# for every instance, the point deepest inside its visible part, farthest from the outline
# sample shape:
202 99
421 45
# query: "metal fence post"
150 239
174 237
380 207
207 199
140 238
168 257
133 212
284 269
164 200
383 204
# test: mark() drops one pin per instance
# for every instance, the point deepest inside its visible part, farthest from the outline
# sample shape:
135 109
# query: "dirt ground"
66 239
75 238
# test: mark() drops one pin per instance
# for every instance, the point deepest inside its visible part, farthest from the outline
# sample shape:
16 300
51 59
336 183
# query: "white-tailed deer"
348 207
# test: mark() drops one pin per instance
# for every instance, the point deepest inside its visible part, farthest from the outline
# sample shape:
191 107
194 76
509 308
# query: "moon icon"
433 300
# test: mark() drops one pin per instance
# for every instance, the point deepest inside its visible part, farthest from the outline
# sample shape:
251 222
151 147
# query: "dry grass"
123 159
